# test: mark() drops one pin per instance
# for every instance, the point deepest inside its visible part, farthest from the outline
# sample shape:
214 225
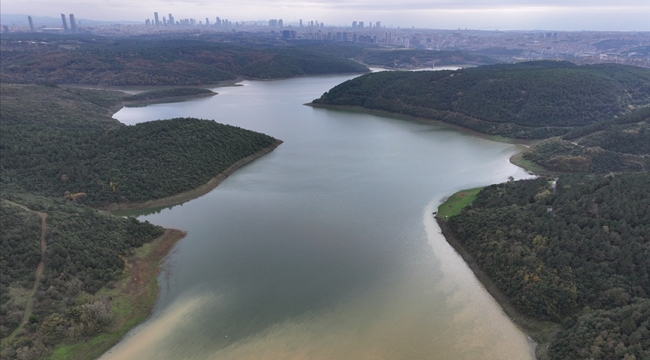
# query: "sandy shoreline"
540 331
140 286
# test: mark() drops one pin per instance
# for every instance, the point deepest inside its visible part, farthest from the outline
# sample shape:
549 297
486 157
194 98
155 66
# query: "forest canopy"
533 100
59 150
574 250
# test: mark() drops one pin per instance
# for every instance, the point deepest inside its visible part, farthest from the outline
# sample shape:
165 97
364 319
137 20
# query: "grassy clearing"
455 203
528 165
131 300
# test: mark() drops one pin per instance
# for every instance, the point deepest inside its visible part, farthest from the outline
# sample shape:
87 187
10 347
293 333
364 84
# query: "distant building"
354 24
73 24
207 21
155 17
300 22
360 24
378 24
31 24
289 34
280 23
65 23
171 20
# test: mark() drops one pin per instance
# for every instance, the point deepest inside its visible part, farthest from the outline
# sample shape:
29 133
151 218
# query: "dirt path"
39 269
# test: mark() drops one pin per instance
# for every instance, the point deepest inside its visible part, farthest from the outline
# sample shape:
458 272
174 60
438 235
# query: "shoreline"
398 116
165 100
542 332
193 193
135 296
515 159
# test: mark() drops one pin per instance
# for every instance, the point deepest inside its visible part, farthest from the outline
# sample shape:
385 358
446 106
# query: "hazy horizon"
575 15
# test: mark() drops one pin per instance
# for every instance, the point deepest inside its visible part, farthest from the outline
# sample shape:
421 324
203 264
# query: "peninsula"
64 157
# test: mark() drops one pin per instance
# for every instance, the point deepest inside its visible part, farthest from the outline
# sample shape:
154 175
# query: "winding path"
39 269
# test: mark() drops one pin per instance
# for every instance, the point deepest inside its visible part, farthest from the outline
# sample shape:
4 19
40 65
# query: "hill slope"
43 58
68 144
532 100
562 250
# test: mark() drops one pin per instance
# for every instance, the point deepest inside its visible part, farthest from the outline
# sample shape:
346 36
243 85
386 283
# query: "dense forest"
574 250
62 151
85 252
409 59
141 61
533 100
620 144
49 154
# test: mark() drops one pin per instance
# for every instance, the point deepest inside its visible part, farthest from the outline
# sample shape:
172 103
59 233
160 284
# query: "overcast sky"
617 15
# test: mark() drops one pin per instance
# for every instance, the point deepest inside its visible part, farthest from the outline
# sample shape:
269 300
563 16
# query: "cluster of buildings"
72 29
170 21
631 48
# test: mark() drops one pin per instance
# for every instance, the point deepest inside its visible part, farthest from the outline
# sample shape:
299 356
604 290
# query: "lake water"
326 247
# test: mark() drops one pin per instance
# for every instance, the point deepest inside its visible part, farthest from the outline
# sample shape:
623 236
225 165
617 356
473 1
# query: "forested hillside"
620 144
562 250
61 150
532 100
141 61
85 252
412 59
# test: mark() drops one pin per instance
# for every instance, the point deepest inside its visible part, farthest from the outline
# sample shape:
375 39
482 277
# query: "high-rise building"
171 20
280 23
73 24
300 22
207 21
360 25
155 17
354 24
65 23
31 24
378 24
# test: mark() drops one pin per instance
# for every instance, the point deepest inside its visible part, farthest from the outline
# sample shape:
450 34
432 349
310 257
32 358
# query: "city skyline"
629 15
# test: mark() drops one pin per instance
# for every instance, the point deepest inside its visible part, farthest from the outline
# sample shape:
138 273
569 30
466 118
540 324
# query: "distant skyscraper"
207 21
218 23
31 24
280 23
354 24
155 17
65 22
378 25
360 24
73 24
300 22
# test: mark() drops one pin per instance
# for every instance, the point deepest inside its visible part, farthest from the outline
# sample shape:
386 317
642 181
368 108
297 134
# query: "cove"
324 248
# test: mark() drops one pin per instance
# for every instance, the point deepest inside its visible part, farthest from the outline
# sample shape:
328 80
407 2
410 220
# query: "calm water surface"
324 248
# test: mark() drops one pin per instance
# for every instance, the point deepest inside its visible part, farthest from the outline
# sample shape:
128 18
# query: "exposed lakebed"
324 248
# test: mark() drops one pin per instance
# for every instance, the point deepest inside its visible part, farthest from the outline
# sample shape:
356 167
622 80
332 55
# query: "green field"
455 203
